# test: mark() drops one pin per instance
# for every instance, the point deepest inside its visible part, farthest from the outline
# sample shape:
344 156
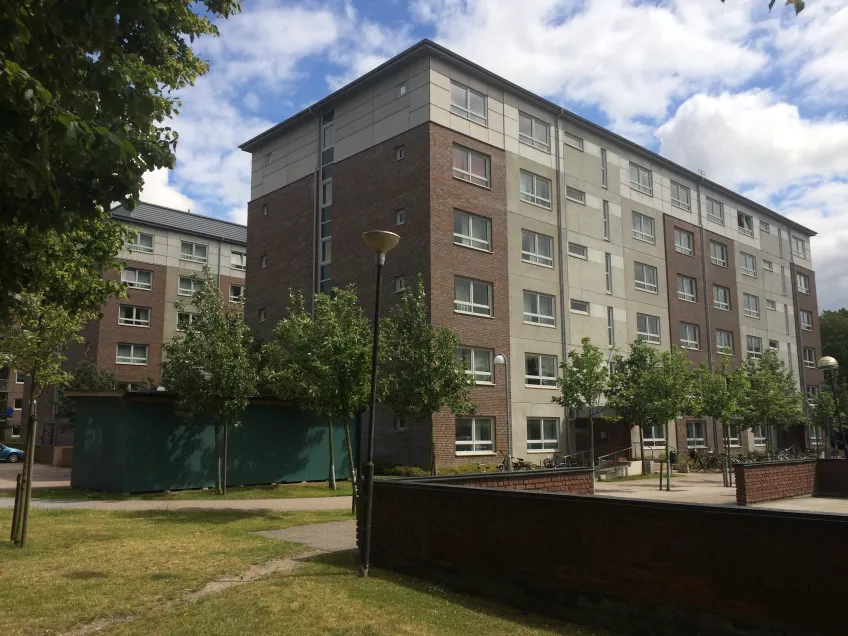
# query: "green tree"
86 377
84 91
774 399
834 337
583 381
323 363
420 371
212 367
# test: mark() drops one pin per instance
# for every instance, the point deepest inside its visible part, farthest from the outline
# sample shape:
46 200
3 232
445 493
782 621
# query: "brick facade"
774 480
807 302
578 481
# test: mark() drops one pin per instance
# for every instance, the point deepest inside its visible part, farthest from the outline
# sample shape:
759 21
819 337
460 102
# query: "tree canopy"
774 398
834 337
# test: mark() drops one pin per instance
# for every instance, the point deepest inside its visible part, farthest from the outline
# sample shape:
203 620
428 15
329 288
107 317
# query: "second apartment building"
531 228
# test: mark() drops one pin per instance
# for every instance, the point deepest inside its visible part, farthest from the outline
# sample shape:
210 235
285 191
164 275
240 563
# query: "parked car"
9 454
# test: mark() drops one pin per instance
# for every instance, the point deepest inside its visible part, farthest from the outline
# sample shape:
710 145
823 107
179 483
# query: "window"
748 264
537 248
771 305
812 391
468 103
721 297
478 363
268 158
718 254
646 277
687 289
764 227
806 320
542 434
400 284
470 166
783 280
20 377
262 315
238 260
400 217
472 297
606 218
236 293
754 346
535 189
188 286
580 251
400 90
759 435
751 305
610 326
264 209
684 242
471 230
540 370
653 436
137 278
192 252
799 248
733 435
402 423
400 152
573 194
648 328
745 224
696 434
474 435
141 242
572 140
680 196
640 179
134 316
533 132
131 354
715 211
774 345
538 308
263 261
768 266
603 167
184 320
608 271
16 431
579 307
690 336
643 228
724 341
809 357
18 404
803 283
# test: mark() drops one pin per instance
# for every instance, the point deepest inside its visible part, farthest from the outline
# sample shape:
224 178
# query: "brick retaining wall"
766 481
576 481
831 478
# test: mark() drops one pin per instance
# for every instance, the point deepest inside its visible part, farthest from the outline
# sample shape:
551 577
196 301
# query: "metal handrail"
615 453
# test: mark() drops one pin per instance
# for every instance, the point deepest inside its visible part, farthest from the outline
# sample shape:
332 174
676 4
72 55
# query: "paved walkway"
282 505
43 476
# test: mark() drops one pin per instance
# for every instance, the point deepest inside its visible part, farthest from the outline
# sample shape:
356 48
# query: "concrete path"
332 536
281 505
43 476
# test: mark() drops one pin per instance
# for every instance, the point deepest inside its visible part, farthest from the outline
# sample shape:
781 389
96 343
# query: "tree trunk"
433 446
332 454
591 440
667 461
352 467
224 471
642 450
29 459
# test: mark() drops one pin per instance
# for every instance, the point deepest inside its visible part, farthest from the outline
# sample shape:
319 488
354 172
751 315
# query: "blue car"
9 454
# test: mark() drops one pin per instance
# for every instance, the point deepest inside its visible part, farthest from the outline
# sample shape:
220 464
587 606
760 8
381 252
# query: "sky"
758 100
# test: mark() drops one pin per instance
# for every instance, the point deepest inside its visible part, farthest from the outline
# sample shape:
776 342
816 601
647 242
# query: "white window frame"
578 251
759 435
604 176
638 184
605 215
477 445
470 355
745 224
722 341
534 257
803 283
678 202
471 304
400 284
680 246
547 381
806 325
751 305
234 298
643 284
653 436
608 271
133 283
809 362
235 257
464 110
263 261
532 139
684 294
465 174
640 233
743 264
135 319
583 307
469 240
690 336
767 266
573 140
400 89
195 284
696 436
774 345
263 314
646 334
400 216
721 248
264 209
755 351
771 305
712 205
20 377
132 358
16 401
537 317
400 152
544 443
733 436
799 247
718 302
531 195
765 227
611 326
134 244
573 194
192 252
190 319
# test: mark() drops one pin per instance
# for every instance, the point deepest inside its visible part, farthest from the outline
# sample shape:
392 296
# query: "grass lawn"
280 491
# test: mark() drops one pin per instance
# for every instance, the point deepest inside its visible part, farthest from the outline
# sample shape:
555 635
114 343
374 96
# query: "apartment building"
170 246
531 228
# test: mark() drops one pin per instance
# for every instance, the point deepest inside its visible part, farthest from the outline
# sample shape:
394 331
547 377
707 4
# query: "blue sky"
757 100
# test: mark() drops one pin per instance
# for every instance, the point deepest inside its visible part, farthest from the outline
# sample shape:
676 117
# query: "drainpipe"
562 259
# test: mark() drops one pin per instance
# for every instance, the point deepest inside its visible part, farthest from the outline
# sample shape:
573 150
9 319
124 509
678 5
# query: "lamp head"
500 359
828 363
380 241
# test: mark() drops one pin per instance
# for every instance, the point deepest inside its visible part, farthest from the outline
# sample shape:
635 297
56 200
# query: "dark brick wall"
563 555
726 277
807 302
572 481
777 480
831 478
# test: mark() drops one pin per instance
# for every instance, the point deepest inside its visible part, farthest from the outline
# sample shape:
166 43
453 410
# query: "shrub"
389 470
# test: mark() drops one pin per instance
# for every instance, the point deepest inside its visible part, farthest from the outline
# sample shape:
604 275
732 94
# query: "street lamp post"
379 242
830 366
501 359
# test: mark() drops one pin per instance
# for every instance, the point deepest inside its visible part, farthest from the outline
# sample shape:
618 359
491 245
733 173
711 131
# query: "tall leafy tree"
323 362
583 382
774 399
213 367
84 91
86 377
420 371
834 337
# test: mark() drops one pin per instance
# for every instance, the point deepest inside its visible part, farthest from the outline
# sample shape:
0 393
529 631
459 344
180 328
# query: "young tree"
212 368
420 370
86 377
583 381
323 363
774 399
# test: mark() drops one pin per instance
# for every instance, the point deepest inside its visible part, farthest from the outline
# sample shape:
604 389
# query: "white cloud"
238 215
157 189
